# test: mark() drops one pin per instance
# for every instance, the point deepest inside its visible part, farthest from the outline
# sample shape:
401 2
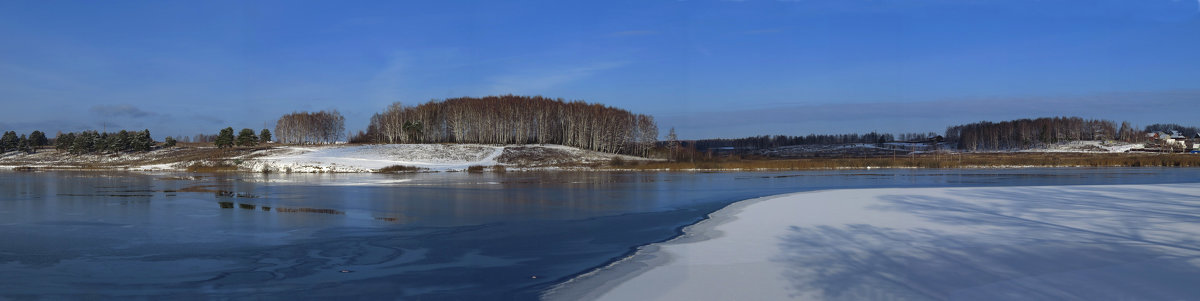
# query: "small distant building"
1170 140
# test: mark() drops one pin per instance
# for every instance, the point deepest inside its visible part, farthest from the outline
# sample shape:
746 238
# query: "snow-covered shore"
322 158
429 157
1123 242
368 158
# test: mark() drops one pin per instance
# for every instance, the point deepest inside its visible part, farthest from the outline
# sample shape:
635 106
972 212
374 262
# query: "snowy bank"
367 158
1087 147
320 158
431 157
1125 242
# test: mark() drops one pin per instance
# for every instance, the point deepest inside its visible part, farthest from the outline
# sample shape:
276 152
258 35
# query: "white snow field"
366 158
326 158
1087 147
431 157
1123 242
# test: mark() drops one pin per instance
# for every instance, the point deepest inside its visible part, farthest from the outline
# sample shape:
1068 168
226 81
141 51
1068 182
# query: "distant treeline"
763 142
513 119
1027 133
984 135
95 142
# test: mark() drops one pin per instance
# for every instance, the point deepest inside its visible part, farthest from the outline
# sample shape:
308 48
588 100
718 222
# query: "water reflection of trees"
246 206
482 198
1031 244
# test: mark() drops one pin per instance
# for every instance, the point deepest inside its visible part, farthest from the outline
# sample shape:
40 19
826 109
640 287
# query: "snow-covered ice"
1123 242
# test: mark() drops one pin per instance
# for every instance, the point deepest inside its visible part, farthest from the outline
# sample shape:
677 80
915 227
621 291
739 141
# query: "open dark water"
444 236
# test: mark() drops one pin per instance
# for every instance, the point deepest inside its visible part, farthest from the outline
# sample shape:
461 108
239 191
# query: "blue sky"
707 68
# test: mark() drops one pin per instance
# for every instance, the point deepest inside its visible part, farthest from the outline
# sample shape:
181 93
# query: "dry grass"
971 160
213 167
213 159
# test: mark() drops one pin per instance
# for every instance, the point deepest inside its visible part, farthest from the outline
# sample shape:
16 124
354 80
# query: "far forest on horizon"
979 136
512 119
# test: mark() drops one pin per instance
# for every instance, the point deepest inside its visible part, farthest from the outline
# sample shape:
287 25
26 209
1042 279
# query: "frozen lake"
423 236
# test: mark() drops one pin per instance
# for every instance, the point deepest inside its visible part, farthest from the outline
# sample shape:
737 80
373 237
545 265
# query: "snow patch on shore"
1087 147
368 158
338 158
1117 242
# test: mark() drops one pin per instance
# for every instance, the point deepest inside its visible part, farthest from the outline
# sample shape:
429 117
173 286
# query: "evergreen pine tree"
123 142
84 142
247 138
224 138
37 138
93 138
63 142
23 145
142 141
264 136
104 142
168 142
9 141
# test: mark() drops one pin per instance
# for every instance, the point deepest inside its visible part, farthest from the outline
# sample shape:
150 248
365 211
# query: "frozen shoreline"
1044 242
321 158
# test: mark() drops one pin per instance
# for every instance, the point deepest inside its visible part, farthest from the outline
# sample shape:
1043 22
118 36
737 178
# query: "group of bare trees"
513 119
1026 133
199 138
310 127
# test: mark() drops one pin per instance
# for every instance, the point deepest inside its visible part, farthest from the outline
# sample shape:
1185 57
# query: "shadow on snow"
1065 243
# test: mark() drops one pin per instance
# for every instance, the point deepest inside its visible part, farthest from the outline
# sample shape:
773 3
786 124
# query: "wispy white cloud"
423 74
